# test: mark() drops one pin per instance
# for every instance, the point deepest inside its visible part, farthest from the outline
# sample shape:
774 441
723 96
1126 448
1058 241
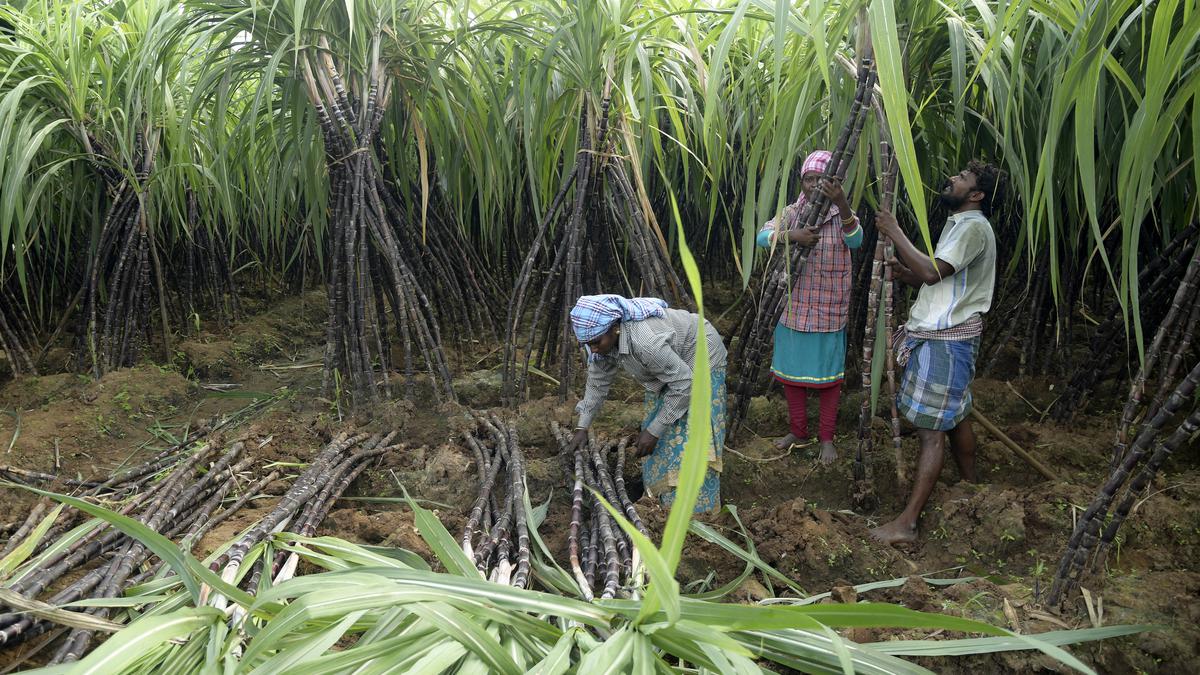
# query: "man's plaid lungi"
935 390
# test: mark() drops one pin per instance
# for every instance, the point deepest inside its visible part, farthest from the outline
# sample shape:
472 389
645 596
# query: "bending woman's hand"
645 443
578 440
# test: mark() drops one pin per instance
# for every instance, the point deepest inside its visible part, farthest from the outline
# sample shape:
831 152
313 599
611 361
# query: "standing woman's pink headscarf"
818 161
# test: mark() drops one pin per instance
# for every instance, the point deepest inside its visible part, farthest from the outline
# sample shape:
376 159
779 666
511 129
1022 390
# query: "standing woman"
810 339
657 347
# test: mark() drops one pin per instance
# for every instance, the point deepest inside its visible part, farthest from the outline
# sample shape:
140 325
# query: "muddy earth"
1007 532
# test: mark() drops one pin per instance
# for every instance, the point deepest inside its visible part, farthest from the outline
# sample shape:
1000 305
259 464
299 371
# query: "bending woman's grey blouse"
658 352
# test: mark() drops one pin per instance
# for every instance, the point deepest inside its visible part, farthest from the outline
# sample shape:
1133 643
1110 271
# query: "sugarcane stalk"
576 536
863 490
1162 452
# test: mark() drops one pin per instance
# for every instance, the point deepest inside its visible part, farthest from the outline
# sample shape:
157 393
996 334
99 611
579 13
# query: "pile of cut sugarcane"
301 509
59 556
501 508
600 551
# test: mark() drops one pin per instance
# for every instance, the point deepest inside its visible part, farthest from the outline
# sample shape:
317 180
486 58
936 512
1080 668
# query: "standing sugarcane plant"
606 217
361 235
882 283
1162 280
103 80
755 328
381 270
1173 336
13 344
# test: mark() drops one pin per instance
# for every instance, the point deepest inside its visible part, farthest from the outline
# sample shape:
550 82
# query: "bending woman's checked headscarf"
593 315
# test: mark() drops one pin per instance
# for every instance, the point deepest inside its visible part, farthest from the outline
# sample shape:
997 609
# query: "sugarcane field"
599 336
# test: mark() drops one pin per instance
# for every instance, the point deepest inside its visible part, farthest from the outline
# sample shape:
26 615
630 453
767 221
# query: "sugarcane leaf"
56 614
440 657
1006 643
706 532
559 659
613 655
26 547
814 652
544 564
872 586
353 554
189 570
663 585
888 59
463 628
694 462
314 646
440 541
875 615
143 636
61 544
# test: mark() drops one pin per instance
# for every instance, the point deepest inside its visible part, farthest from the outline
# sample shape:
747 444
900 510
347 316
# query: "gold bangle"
847 221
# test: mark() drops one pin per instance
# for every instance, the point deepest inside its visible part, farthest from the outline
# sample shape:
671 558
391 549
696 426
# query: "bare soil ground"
1009 529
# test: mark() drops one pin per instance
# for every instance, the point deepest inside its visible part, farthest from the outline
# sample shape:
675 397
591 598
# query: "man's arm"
918 267
904 275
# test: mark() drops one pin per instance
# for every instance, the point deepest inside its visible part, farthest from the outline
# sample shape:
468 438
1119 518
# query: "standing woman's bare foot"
894 533
787 442
828 453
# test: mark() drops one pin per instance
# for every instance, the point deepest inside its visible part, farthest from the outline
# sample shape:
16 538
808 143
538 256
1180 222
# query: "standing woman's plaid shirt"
820 299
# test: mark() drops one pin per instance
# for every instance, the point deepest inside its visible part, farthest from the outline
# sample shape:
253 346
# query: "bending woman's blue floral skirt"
660 473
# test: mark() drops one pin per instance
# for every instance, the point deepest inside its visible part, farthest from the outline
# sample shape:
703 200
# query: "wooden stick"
1012 445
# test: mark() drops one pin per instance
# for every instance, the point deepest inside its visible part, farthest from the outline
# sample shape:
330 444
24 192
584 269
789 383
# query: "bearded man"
939 344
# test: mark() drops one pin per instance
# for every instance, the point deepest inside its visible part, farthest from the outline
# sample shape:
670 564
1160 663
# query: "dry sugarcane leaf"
1048 618
1011 615
1093 608
50 612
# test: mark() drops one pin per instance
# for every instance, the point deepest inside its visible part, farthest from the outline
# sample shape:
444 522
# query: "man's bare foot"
787 442
828 453
894 533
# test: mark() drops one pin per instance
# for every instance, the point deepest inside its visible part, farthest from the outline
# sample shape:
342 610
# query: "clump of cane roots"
496 536
604 560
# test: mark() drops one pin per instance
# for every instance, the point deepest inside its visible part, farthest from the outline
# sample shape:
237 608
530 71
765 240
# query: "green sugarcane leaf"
440 541
1006 643
25 548
144 636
